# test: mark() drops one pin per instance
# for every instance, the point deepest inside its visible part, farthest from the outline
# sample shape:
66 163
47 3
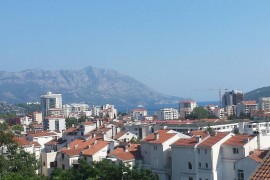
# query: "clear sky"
178 47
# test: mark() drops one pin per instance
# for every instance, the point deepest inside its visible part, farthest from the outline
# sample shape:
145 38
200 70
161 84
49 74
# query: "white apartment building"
37 117
138 113
54 123
26 120
219 113
167 114
42 137
50 101
246 107
186 107
75 110
264 104
156 152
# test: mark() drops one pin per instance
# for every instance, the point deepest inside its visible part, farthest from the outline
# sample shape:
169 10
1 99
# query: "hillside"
90 85
257 93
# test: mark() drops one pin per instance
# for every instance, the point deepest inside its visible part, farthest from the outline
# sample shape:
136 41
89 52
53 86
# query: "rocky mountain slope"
257 93
89 85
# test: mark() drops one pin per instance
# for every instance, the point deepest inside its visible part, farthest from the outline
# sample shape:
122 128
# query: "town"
225 141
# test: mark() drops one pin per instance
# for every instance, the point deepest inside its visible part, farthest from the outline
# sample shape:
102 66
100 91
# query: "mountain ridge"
90 85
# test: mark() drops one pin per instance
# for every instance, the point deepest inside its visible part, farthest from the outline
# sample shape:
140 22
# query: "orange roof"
212 140
201 133
95 148
258 155
238 140
133 152
41 133
249 102
262 172
22 141
54 142
120 134
71 129
164 135
88 147
36 143
186 142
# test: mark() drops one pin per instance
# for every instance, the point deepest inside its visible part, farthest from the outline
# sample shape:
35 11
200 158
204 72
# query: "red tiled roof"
120 134
212 140
95 148
259 155
133 152
71 129
238 140
249 102
41 133
54 142
263 171
36 144
201 133
22 141
88 147
163 137
186 142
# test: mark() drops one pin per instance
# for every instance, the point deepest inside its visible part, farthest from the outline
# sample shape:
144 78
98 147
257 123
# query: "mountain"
90 85
257 93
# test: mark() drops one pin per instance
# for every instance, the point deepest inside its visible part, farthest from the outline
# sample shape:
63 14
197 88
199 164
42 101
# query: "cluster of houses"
204 149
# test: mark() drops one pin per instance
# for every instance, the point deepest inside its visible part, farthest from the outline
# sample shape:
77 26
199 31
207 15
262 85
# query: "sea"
151 109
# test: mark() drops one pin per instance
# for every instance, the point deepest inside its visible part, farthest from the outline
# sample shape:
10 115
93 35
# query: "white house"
156 151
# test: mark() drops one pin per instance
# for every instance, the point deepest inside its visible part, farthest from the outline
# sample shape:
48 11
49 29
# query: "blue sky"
177 47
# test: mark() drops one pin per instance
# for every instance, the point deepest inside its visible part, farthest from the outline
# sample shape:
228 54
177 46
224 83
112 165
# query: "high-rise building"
167 114
232 98
50 101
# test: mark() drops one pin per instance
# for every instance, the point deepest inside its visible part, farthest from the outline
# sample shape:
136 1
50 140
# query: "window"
44 164
205 151
63 166
206 165
155 147
190 178
156 161
235 151
189 165
200 164
63 155
199 151
240 174
53 164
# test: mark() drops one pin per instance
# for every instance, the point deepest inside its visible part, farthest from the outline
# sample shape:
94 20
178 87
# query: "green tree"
104 170
17 127
198 113
15 163
71 121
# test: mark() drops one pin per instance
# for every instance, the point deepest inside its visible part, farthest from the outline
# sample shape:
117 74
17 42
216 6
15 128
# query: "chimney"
213 133
198 138
126 148
93 135
103 136
156 134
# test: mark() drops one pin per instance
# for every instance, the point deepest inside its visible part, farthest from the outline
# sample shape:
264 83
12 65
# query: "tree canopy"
104 170
15 163
198 113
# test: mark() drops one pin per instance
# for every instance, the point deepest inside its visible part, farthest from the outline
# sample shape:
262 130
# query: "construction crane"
220 91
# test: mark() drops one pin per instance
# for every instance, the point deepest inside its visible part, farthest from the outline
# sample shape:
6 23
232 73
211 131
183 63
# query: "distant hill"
90 85
257 93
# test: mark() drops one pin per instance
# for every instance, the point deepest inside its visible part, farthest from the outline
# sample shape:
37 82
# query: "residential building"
186 107
124 136
50 101
245 167
42 137
264 104
167 113
37 117
262 172
138 113
156 151
129 154
26 120
54 123
219 113
246 108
